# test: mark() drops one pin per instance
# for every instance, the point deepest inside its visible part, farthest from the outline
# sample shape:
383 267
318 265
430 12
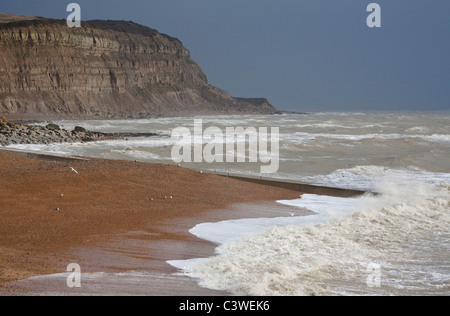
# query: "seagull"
74 170
151 199
292 214
171 197
57 209
62 195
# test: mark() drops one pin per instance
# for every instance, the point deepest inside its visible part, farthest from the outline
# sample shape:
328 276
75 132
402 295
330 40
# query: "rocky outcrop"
12 133
260 104
105 69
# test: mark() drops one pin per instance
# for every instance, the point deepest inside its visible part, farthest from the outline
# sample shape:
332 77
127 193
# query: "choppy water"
405 230
310 145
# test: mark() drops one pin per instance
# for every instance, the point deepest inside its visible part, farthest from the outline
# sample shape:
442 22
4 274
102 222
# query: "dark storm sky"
310 55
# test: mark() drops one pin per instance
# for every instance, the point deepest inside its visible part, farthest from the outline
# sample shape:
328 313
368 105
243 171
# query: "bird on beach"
74 170
292 214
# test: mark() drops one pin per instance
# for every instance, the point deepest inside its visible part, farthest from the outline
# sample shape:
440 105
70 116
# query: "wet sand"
104 219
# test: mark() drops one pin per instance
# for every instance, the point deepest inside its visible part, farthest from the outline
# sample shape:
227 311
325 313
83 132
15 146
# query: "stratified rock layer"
113 69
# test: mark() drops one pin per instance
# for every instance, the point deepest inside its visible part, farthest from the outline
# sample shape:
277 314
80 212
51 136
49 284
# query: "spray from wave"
404 231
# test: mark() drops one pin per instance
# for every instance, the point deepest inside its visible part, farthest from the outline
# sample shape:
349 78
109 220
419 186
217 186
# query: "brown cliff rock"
105 69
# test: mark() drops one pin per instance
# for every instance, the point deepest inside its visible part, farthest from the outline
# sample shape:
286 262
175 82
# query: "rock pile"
13 133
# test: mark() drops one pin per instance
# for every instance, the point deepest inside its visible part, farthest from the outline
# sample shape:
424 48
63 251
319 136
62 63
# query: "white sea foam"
418 129
368 177
437 138
233 230
405 230
303 136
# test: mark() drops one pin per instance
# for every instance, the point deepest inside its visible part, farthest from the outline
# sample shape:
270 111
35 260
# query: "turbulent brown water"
405 231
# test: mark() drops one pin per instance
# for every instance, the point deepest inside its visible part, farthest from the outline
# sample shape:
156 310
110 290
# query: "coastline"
52 216
132 262
15 133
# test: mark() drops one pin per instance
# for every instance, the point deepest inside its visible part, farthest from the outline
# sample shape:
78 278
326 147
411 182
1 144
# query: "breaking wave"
404 230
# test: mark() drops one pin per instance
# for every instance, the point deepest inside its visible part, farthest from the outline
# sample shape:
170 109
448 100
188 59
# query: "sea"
393 242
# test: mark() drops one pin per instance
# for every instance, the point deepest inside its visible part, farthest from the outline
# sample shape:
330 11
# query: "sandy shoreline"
104 219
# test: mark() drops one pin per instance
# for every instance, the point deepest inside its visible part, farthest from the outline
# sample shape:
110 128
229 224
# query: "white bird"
74 170
201 171
57 209
171 197
62 195
292 214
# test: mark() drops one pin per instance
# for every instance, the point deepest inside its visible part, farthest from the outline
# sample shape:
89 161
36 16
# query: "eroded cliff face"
104 69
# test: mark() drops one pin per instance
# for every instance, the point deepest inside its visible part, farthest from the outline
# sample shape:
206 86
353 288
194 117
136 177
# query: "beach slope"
48 209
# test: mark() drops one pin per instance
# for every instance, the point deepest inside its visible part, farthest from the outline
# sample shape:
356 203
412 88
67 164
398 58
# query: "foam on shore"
404 231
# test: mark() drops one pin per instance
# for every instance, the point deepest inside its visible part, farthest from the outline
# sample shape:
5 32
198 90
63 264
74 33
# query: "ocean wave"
308 137
437 138
368 177
400 231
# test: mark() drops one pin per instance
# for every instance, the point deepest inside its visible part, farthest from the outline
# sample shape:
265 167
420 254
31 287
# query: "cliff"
105 69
